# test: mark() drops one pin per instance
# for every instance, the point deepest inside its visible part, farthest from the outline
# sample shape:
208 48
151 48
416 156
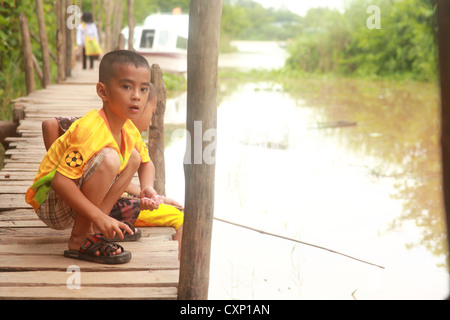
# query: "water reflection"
397 136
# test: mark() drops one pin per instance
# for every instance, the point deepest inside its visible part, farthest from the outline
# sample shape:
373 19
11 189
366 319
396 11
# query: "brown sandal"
97 242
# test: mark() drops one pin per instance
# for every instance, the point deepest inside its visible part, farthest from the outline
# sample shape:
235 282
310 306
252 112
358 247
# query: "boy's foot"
126 236
97 249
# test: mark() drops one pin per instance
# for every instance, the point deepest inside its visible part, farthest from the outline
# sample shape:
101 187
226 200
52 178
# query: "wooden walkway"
32 265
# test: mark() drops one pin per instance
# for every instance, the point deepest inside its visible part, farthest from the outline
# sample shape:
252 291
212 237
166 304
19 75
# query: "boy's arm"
146 178
72 195
146 173
133 189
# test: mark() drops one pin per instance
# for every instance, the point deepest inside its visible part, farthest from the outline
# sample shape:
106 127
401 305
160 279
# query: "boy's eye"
144 89
126 86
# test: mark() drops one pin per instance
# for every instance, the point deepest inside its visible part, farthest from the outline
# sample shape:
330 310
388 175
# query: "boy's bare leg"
97 190
119 187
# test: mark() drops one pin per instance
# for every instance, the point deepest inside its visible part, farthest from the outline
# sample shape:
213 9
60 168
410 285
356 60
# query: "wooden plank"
25 160
13 182
100 293
33 236
35 153
33 167
56 261
13 201
10 175
13 189
47 235
160 245
148 278
20 214
22 224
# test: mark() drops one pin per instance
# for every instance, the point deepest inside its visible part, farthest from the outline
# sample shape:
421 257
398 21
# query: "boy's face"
145 120
127 91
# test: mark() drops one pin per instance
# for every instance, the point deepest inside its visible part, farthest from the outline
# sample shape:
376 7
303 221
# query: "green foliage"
404 46
175 84
248 20
12 79
144 8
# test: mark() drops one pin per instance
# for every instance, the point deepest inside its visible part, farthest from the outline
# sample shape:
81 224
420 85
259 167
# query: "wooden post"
68 62
61 40
156 131
44 44
38 70
131 24
109 7
27 53
117 25
201 124
443 14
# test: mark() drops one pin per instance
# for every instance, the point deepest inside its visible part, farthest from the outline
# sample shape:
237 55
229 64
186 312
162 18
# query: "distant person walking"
87 32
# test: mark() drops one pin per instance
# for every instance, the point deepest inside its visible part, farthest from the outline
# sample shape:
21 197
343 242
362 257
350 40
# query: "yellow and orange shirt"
69 154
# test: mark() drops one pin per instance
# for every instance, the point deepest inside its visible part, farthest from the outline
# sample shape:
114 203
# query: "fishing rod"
291 239
298 241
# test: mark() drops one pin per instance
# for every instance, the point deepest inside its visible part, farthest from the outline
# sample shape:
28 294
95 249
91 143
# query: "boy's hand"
109 227
150 200
172 202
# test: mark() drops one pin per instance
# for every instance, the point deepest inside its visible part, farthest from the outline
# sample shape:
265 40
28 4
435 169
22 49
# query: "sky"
300 7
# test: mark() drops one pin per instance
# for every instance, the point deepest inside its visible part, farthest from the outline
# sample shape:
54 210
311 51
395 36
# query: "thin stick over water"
298 241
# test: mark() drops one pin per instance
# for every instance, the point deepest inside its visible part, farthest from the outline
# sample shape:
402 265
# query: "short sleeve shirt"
69 154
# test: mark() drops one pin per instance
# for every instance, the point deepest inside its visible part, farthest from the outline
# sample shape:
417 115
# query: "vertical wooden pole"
443 13
109 7
44 44
27 53
201 124
156 131
61 40
117 25
131 24
68 62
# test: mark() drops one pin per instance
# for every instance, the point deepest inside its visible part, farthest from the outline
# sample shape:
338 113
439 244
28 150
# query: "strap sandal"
97 242
137 234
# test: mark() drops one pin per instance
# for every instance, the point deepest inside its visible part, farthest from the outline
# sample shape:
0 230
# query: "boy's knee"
111 162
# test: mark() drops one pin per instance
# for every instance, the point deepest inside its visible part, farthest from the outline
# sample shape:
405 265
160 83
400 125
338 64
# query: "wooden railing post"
27 53
156 131
201 124
443 13
131 24
44 44
61 40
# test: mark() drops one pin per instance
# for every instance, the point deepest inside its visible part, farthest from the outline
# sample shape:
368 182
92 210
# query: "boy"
128 209
87 169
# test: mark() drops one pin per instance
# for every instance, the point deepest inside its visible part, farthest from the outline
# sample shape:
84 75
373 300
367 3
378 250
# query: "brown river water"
350 165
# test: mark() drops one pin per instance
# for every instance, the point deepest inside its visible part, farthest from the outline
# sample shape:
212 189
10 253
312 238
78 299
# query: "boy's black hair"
121 57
